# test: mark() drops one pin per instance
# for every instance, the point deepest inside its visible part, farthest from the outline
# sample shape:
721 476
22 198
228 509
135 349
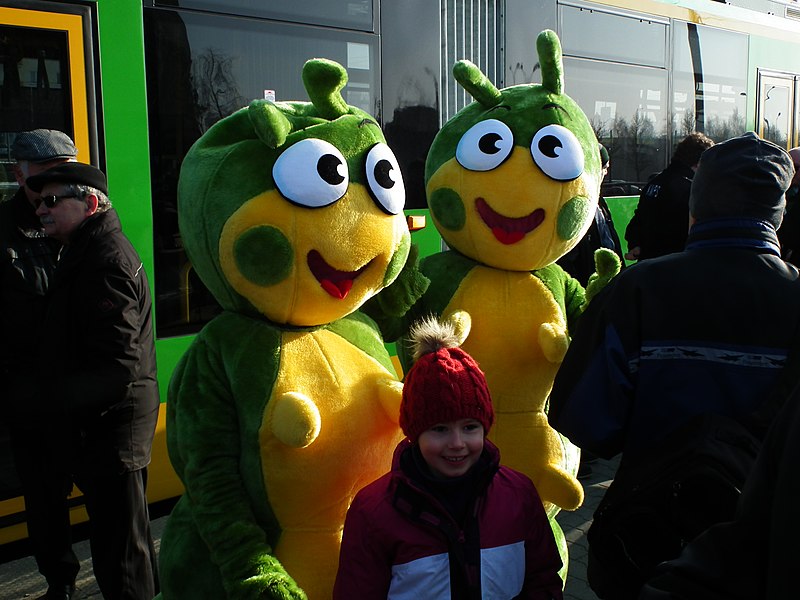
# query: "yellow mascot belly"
518 336
310 488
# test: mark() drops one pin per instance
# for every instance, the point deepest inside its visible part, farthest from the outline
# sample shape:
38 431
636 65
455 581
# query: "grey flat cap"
42 145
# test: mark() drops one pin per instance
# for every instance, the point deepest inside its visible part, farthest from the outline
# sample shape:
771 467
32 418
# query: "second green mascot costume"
512 182
286 404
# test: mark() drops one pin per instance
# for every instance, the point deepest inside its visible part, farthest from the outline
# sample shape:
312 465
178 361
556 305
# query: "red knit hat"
444 384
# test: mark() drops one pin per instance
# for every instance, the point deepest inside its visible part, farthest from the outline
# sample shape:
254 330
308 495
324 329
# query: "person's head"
744 177
690 149
794 154
69 194
38 150
605 161
446 407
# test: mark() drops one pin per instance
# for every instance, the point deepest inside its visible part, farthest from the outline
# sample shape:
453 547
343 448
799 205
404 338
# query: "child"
447 522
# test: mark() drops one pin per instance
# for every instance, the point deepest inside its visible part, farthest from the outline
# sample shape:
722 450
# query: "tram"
136 82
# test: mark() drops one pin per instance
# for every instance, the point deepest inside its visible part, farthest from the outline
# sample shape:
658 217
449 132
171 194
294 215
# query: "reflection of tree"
687 124
215 87
600 127
638 150
519 74
641 136
413 125
720 129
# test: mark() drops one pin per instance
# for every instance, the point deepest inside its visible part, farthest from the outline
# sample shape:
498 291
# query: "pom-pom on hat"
444 384
744 176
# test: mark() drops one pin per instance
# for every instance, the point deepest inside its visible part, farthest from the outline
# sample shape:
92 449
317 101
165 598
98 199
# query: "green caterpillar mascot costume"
512 182
286 404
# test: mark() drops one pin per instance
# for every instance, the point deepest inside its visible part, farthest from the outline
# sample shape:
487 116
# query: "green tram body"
128 74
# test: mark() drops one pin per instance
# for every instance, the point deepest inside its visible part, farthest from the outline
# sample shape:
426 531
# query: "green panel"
622 208
127 151
428 239
168 352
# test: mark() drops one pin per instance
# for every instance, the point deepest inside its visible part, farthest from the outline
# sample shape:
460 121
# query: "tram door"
46 82
778 113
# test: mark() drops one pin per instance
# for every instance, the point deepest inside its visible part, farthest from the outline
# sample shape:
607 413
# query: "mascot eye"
557 152
485 146
311 173
385 180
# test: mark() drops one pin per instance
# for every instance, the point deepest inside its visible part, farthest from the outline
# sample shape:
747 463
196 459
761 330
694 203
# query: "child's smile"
451 449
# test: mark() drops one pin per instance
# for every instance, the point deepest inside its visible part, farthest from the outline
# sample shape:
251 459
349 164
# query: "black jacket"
579 262
27 261
706 330
98 350
753 557
660 223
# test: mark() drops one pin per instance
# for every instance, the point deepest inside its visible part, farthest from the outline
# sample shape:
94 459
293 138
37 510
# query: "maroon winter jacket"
400 542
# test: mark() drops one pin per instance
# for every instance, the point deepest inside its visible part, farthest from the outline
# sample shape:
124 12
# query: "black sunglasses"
51 201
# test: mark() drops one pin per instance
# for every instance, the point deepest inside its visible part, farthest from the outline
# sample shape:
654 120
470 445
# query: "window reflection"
709 81
352 14
217 65
776 113
627 107
34 89
613 37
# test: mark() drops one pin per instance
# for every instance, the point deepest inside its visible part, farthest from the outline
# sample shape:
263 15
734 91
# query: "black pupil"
488 143
328 169
548 145
383 168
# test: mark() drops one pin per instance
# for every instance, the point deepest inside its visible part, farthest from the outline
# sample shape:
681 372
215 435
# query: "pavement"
19 579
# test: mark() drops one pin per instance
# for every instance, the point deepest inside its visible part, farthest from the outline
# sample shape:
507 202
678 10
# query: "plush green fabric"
506 225
277 417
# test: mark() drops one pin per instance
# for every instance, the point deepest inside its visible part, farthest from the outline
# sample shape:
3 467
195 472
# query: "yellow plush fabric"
520 373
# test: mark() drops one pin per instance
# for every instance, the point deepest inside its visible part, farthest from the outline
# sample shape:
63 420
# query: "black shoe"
58 592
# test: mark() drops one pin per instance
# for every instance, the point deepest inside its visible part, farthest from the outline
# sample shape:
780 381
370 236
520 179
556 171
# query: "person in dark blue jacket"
703 331
660 222
754 556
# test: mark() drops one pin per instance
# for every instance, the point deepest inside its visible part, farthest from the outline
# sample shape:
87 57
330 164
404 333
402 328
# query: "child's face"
451 448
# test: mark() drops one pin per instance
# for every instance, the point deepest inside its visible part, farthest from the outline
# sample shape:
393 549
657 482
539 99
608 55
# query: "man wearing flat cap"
27 261
699 332
97 368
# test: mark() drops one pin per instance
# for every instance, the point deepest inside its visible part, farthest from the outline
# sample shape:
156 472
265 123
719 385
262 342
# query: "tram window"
218 64
351 14
627 107
33 93
709 81
592 33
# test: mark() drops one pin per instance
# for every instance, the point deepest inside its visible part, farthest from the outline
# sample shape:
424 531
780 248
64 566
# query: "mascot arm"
295 419
607 266
390 307
207 439
390 393
554 341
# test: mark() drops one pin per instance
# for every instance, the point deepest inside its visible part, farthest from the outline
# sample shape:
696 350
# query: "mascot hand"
462 324
554 341
391 304
271 582
607 266
390 392
295 419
